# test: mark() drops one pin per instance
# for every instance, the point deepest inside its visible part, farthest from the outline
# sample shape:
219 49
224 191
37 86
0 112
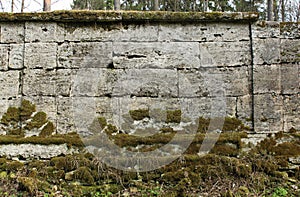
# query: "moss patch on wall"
129 16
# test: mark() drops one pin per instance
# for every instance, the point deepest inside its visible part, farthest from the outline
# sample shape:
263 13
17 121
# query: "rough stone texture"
16 56
156 55
39 82
39 55
269 84
266 29
106 64
209 82
290 78
204 32
277 85
227 53
291 110
115 32
85 55
244 109
4 55
145 83
12 32
268 113
32 151
9 81
43 32
290 50
266 51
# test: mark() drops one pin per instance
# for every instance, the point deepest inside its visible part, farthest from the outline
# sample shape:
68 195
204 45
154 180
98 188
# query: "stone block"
244 109
64 81
266 79
110 32
16 56
10 82
4 57
85 55
282 79
144 83
156 55
290 50
229 81
76 114
291 108
208 107
266 29
44 32
40 55
12 32
290 78
266 51
65 116
268 113
209 32
39 82
35 151
225 53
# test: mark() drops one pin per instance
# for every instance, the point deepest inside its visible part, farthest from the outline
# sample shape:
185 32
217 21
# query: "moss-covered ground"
263 171
268 169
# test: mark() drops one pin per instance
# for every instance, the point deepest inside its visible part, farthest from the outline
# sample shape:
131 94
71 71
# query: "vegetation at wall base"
263 171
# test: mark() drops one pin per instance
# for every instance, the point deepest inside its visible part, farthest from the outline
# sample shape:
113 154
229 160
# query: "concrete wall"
105 64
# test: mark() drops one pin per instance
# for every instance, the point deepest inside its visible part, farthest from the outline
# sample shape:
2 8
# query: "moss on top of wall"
129 16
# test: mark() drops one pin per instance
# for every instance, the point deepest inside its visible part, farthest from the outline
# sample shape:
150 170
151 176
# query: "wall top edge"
129 16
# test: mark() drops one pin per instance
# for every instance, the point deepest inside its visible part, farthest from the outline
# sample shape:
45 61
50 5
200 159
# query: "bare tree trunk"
282 10
156 6
47 5
270 10
12 5
205 5
298 13
22 5
117 4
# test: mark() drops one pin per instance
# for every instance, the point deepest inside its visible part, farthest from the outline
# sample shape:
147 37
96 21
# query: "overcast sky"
34 5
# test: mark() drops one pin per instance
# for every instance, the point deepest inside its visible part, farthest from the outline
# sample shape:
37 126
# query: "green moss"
287 149
47 130
230 124
110 129
102 122
83 174
167 130
139 114
26 110
173 116
29 184
203 125
234 124
71 139
15 132
14 165
12 115
225 150
59 163
38 120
